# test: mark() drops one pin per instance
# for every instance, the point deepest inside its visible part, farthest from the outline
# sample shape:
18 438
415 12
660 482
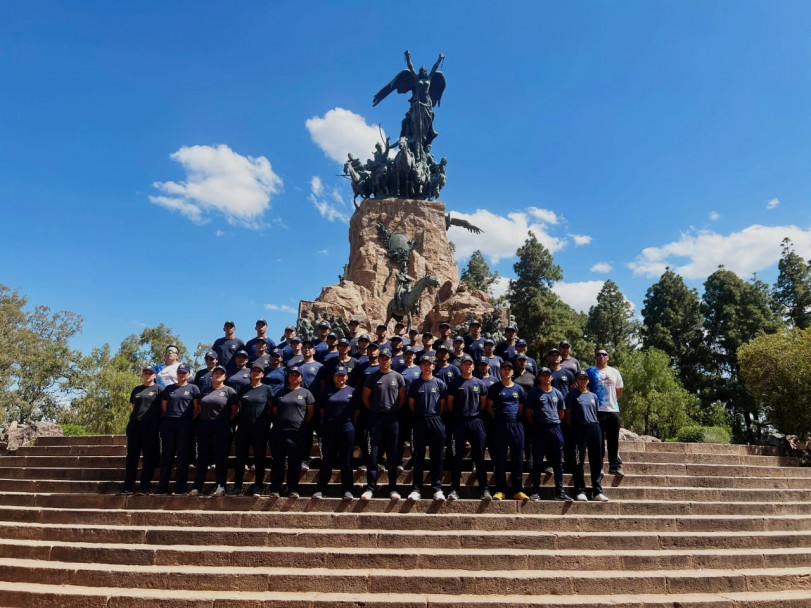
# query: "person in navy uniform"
311 375
383 396
474 341
178 407
253 424
336 406
361 348
411 371
521 349
214 410
400 330
261 337
543 412
567 361
262 354
563 380
466 400
142 432
286 343
332 348
227 346
506 348
342 360
396 347
505 402
581 412
241 376
492 358
293 407
320 345
276 372
296 356
426 401
380 336
203 376
457 351
444 338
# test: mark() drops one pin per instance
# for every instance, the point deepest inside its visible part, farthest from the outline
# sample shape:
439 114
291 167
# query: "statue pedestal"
370 279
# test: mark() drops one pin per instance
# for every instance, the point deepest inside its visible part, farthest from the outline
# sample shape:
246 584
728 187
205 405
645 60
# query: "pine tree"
477 274
611 322
792 291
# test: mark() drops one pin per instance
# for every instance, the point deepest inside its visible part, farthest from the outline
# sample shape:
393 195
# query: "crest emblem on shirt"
300 397
554 399
515 393
151 394
475 389
394 382
222 393
233 347
433 389
186 393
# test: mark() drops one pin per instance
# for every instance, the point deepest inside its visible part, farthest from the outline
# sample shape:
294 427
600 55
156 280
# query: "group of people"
436 393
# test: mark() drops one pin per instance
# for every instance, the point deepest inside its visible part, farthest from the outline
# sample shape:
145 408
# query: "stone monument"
401 266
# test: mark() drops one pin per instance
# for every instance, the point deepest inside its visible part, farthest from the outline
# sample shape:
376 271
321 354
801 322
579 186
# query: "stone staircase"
690 525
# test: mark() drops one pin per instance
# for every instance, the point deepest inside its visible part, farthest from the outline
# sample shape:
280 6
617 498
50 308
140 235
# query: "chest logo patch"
222 393
186 393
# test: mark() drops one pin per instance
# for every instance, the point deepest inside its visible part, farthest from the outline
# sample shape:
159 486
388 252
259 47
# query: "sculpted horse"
408 303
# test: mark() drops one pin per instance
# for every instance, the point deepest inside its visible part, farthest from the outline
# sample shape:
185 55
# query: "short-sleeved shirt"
239 379
495 364
583 406
410 374
330 364
385 391
505 350
275 378
291 409
506 401
202 379
604 383
398 363
146 403
166 374
250 347
293 360
526 380
179 400
226 349
253 402
474 348
337 404
467 396
215 403
427 395
321 348
488 381
545 405
562 379
572 364
310 376
531 365
447 373
363 369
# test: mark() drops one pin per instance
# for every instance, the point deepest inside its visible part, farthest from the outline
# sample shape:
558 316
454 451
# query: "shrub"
73 430
703 434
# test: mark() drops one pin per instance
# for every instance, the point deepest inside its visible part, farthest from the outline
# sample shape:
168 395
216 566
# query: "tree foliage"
792 291
477 273
610 322
777 371
148 347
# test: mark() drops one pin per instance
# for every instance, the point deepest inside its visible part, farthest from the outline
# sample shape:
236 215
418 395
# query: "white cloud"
580 239
714 215
500 287
749 250
219 180
323 251
340 132
281 308
219 233
580 296
329 202
602 267
503 235
772 203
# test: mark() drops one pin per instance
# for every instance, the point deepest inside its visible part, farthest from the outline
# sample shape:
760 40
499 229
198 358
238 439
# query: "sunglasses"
601 355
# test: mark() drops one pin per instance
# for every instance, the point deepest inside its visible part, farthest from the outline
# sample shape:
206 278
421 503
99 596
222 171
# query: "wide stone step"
162 535
82 440
369 580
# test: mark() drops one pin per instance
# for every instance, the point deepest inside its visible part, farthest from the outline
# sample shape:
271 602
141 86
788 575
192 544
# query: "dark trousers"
406 430
142 437
362 435
213 445
176 441
588 440
610 423
337 437
251 433
286 444
508 435
547 442
568 446
428 432
384 431
468 430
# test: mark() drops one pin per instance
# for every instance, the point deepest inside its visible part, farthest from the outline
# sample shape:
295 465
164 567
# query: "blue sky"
177 162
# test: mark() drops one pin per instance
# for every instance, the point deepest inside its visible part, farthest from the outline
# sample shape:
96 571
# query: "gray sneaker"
220 491
453 495
194 492
535 496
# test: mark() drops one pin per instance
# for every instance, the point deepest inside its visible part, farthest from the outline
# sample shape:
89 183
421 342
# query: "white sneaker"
220 491
318 495
348 495
600 497
394 495
581 497
439 496
366 496
414 496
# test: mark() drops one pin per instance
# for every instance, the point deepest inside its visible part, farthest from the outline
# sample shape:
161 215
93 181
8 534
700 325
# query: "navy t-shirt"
203 379
310 376
179 400
467 395
330 364
293 360
321 348
337 404
239 379
226 349
447 373
505 350
426 395
545 405
562 379
291 409
363 369
253 402
250 347
506 401
474 348
215 403
495 364
398 363
385 391
276 378
583 406
488 381
146 402
571 364
410 374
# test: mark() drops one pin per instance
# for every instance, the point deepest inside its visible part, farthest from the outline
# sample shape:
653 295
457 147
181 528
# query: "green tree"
148 347
654 401
611 323
36 358
477 273
672 321
735 311
777 371
792 291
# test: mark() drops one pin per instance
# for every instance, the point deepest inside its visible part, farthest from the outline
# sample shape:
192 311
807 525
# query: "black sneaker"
564 497
160 492
549 471
127 492
618 472
236 491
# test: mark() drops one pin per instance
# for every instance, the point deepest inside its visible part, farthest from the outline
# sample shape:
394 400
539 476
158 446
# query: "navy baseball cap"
149 369
332 336
354 322
506 364
399 324
295 339
545 370
474 322
396 337
521 356
409 349
465 359
552 351
458 339
521 342
184 368
343 341
276 353
258 364
511 328
241 353
563 343
442 347
261 322
381 326
307 341
489 341
212 354
385 352
340 370
230 322
483 360
413 331
324 324
427 358
364 337
294 370
290 328
581 374
219 368
372 346
444 324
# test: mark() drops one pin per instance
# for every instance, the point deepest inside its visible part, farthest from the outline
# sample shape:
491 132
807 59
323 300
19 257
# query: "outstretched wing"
456 221
436 88
402 83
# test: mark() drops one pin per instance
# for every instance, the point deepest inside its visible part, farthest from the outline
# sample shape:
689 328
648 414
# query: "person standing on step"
581 413
397 359
342 360
521 349
606 382
276 372
293 407
142 433
332 349
296 356
544 410
336 407
262 354
286 343
261 337
383 396
320 345
202 379
506 348
426 401
380 337
214 410
568 362
227 346
241 376
457 350
178 407
474 341
253 425
466 400
445 339
505 402
311 375
166 372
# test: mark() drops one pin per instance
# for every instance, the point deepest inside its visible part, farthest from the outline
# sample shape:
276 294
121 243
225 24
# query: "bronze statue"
408 304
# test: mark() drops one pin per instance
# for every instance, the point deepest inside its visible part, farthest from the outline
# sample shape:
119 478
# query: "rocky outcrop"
626 435
16 436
